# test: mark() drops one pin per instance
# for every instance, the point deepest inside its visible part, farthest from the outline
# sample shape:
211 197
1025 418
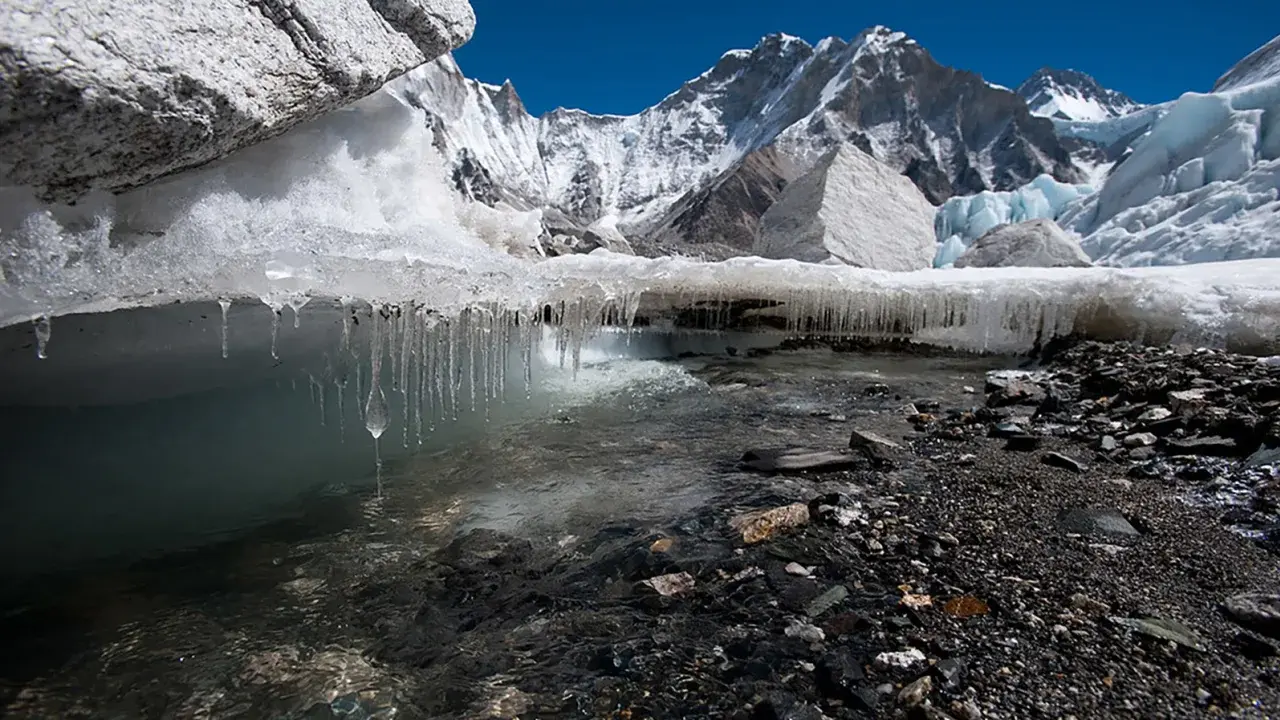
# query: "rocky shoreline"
1042 554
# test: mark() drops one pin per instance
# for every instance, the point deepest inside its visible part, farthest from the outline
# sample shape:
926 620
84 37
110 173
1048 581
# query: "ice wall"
354 204
961 220
1202 186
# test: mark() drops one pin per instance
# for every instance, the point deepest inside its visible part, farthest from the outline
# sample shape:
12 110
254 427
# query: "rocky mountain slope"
1261 64
1073 95
702 166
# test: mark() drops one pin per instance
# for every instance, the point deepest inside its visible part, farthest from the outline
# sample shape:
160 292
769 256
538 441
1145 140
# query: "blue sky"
620 56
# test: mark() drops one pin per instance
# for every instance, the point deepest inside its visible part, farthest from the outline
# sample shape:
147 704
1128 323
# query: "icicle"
296 303
347 312
225 304
275 329
44 329
376 413
454 376
408 329
359 388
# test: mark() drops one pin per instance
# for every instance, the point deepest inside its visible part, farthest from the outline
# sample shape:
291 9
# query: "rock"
1259 612
1096 522
915 693
661 545
1155 414
1057 459
877 390
850 209
839 676
797 569
1142 453
670 585
1107 443
1254 648
1140 440
805 632
879 450
760 525
1022 443
835 509
826 601
798 460
1034 243
1265 457
950 672
965 606
1084 603
966 709
1006 430
113 94
904 660
1014 392
1188 402
1212 446
1160 629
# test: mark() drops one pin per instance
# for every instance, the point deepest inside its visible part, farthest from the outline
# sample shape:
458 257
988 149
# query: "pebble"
1140 440
904 660
671 585
915 693
797 569
1057 459
805 632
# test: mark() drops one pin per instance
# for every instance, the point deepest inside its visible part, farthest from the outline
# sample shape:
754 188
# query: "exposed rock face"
694 173
854 210
111 94
1035 243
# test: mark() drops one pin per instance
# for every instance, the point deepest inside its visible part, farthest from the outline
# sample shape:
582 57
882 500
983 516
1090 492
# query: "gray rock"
1107 443
875 447
798 460
1140 440
1187 402
1265 457
114 93
826 601
1035 243
805 632
1161 629
1096 522
1259 612
1057 459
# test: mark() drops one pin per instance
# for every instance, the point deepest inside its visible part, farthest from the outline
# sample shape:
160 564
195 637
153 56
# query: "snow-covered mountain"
706 161
1073 95
1259 65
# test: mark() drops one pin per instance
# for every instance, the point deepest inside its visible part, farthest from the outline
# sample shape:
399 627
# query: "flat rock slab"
1096 522
1162 629
1259 612
798 460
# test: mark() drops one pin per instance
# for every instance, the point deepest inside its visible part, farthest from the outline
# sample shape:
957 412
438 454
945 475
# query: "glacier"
961 220
1202 185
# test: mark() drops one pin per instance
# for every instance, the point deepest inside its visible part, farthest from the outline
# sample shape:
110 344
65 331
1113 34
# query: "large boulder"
1035 243
850 209
114 93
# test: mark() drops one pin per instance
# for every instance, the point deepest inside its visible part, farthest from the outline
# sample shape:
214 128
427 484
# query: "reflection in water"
202 608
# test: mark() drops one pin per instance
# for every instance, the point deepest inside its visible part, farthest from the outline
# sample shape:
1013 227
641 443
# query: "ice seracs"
1203 185
1034 243
850 209
961 220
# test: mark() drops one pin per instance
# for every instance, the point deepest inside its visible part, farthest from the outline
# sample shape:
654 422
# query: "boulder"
111 94
850 209
1035 243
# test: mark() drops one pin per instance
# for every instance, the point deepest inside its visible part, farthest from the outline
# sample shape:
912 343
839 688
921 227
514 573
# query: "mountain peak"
1259 65
1069 94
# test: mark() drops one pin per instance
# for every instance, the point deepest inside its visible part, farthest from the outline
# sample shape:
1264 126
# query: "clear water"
217 595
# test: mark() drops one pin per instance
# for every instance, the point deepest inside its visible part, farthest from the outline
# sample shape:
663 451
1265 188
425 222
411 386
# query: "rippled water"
260 623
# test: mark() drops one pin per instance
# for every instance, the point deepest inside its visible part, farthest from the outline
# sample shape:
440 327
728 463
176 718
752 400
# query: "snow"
1203 185
1260 65
961 220
850 209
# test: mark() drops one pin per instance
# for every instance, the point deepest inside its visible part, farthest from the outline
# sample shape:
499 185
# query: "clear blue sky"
620 56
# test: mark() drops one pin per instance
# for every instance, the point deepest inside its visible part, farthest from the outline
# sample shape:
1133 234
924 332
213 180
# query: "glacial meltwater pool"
190 547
